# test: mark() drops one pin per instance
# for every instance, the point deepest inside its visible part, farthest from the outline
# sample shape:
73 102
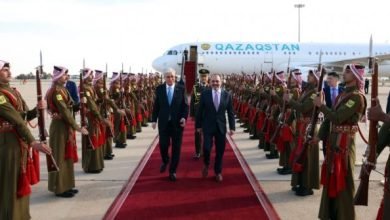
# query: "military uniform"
303 181
14 138
338 166
120 130
383 141
62 137
194 105
276 102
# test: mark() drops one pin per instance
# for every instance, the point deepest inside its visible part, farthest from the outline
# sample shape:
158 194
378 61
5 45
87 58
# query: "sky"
135 32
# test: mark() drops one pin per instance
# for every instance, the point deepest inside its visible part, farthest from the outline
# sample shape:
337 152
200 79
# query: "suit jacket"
162 111
211 120
328 95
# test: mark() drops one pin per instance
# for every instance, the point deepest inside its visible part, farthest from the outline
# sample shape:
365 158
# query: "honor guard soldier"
120 131
376 114
16 139
337 169
62 134
284 139
307 178
92 153
276 96
131 103
106 106
198 88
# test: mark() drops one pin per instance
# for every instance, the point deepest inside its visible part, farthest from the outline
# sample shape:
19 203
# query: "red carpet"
150 195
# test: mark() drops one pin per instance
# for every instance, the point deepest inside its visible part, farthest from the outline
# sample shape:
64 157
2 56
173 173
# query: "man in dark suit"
211 121
331 90
171 111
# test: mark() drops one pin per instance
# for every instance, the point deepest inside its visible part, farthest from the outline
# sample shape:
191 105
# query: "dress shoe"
303 191
253 137
280 169
74 191
144 125
172 177
66 194
120 145
138 130
286 171
131 137
94 171
196 156
163 167
295 188
246 130
272 155
219 178
108 157
205 171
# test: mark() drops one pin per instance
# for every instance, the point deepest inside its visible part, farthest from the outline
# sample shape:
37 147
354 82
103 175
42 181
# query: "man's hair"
334 74
215 75
169 70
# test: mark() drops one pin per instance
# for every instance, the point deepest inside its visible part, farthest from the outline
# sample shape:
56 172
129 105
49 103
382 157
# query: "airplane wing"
338 65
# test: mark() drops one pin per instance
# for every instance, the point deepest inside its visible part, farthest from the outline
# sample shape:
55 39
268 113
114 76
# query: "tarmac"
98 191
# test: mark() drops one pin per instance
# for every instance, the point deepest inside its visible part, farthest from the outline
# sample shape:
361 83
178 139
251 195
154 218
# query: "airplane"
255 57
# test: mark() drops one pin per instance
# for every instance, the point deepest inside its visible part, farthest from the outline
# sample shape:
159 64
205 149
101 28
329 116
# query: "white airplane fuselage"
252 57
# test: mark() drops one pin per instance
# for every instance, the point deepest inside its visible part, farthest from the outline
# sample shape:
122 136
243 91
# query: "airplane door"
268 61
190 68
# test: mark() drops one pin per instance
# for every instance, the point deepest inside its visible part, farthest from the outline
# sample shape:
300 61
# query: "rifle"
83 120
104 103
361 197
50 161
121 97
268 110
301 154
282 120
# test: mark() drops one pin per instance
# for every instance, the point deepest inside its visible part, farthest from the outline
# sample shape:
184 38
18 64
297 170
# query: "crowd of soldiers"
277 110
112 115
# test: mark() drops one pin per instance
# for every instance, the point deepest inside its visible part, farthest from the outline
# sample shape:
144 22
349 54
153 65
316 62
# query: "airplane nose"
158 64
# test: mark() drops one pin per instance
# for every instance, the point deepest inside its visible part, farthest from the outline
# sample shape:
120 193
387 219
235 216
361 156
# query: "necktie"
169 95
334 95
216 101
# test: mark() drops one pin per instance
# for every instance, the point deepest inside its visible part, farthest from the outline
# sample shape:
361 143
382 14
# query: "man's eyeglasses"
215 81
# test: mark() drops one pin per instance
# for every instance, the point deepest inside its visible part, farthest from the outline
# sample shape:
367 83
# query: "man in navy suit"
211 122
171 111
331 91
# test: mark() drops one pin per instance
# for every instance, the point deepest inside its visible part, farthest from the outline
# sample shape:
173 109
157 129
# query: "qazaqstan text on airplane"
257 47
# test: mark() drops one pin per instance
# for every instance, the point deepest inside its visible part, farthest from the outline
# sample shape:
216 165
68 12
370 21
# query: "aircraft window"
230 52
253 52
239 52
345 53
174 52
234 52
330 53
257 52
310 53
169 52
211 52
207 52
353 53
316 52
326 53
294 53
225 52
289 53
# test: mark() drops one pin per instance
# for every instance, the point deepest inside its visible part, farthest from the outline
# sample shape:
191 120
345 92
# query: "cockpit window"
172 52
